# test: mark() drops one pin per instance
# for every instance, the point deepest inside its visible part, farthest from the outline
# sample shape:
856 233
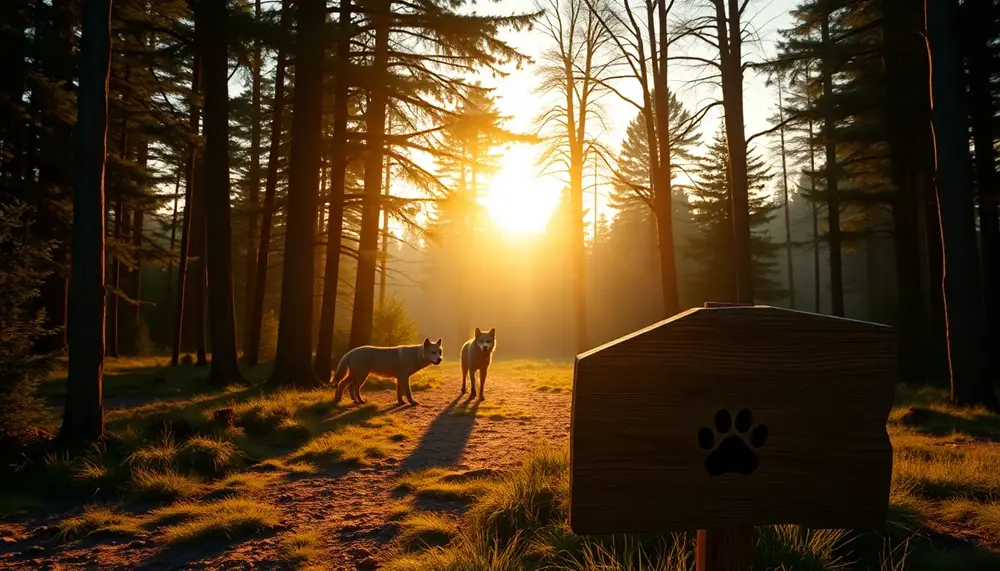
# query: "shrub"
24 265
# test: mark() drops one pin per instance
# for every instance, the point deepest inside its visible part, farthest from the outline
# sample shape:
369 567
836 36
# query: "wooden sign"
728 417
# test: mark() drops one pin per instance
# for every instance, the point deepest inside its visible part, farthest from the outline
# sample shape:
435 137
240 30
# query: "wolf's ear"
478 332
427 342
493 332
438 342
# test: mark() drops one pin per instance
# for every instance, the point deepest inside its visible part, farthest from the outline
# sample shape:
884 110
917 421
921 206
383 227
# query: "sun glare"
517 198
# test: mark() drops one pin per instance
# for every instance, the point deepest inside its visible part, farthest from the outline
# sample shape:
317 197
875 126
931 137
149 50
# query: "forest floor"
449 484
318 483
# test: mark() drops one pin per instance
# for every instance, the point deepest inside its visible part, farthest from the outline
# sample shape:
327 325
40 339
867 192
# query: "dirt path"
348 508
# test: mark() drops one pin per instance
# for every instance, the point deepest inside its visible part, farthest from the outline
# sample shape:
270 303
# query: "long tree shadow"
445 439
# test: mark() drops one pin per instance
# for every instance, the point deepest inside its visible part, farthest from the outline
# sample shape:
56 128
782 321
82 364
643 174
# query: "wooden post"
725 549
729 548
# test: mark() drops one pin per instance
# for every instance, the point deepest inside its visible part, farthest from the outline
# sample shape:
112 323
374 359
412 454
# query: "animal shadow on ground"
182 555
445 439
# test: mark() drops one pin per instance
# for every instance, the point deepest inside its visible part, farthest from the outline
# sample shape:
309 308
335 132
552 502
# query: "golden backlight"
519 198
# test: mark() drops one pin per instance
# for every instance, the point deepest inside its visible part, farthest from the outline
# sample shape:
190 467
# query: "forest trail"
348 507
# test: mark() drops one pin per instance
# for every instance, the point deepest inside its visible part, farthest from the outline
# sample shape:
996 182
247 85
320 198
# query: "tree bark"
729 33
962 288
180 309
195 314
907 111
252 353
980 22
83 417
293 360
213 45
383 258
253 191
663 192
364 290
784 191
832 174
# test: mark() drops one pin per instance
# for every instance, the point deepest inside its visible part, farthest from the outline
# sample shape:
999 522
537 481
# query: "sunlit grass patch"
362 443
299 547
279 465
495 411
244 483
210 456
545 376
448 485
422 530
162 484
100 519
227 518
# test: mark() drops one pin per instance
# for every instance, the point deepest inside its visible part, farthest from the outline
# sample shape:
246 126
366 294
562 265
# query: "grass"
423 530
359 444
299 548
944 511
545 376
226 519
100 519
495 411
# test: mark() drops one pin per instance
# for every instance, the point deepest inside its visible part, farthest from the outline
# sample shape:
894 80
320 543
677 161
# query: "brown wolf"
397 362
477 353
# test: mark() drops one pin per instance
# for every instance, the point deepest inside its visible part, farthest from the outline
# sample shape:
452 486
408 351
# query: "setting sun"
518 198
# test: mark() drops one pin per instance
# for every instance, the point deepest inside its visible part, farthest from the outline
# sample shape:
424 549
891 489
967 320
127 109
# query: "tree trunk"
383 258
817 286
138 220
180 309
335 219
252 353
784 191
980 22
907 111
962 289
831 191
83 418
364 290
253 192
173 236
731 51
195 318
111 345
663 192
293 360
212 42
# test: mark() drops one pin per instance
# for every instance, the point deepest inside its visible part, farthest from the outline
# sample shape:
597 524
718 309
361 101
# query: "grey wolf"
477 353
390 362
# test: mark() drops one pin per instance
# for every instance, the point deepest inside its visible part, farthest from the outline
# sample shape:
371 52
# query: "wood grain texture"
645 408
729 549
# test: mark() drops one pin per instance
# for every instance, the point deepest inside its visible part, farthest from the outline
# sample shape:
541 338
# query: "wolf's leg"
409 393
356 381
361 385
482 383
472 383
465 372
340 389
399 390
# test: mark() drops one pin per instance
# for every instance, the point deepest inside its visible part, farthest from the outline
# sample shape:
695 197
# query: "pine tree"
711 212
83 419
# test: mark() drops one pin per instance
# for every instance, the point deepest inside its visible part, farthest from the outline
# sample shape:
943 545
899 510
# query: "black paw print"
734 454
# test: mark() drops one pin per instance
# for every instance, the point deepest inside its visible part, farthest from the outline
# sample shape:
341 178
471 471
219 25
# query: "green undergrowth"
944 512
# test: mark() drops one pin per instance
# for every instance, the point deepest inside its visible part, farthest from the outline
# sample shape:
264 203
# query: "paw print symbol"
737 452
